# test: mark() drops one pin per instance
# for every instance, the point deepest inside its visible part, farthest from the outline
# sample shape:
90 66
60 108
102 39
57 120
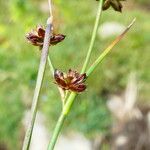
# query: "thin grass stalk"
51 65
61 120
39 82
57 129
52 69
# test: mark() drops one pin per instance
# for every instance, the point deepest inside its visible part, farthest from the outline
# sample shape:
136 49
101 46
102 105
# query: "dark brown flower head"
115 4
70 81
36 37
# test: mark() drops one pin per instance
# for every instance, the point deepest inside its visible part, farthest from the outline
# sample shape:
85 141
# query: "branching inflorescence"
72 82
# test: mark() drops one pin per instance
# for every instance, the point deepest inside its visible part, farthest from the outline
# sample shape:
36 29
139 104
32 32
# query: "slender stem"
51 65
69 103
50 8
108 49
62 94
66 96
61 119
39 82
99 12
56 131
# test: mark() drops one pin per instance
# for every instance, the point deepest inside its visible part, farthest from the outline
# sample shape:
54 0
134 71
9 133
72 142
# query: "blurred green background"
19 63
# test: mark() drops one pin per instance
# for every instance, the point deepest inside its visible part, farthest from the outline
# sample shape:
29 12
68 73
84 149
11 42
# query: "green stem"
66 96
99 12
56 131
62 94
61 119
108 49
69 103
39 82
51 65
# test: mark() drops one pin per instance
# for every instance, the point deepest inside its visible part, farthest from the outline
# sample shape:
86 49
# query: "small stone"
109 29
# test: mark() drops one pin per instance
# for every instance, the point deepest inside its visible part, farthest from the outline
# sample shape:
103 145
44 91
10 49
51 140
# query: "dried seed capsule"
72 80
36 37
115 4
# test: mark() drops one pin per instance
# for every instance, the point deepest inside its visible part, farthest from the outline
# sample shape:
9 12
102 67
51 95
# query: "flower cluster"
36 37
115 4
72 80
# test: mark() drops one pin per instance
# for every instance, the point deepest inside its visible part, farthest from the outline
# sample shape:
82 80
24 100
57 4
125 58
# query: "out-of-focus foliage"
143 1
19 63
89 114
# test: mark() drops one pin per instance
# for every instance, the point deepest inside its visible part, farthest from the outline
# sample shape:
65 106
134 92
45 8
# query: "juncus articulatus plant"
72 82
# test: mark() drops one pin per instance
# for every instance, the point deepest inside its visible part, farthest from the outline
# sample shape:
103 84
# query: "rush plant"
71 83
